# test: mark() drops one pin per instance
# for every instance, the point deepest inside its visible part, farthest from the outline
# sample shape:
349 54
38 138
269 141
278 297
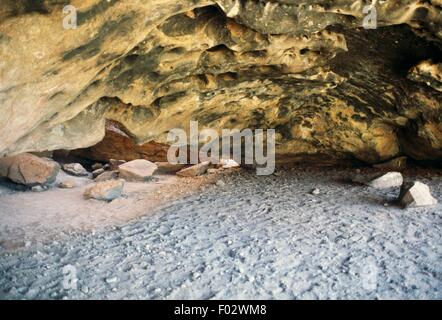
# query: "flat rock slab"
137 170
75 169
106 191
29 170
385 181
388 180
167 167
194 171
416 194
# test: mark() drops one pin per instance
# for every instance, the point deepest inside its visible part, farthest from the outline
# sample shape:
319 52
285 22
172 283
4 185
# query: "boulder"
137 170
416 194
29 170
195 170
106 190
384 181
75 169
397 164
108 175
167 167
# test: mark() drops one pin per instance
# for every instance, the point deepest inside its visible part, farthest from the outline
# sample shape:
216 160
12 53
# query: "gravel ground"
254 237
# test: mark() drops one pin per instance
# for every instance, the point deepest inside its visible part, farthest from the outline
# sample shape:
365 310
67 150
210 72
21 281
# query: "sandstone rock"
308 69
118 143
396 164
67 184
195 170
108 175
166 167
137 170
388 180
228 163
29 170
107 190
416 194
75 169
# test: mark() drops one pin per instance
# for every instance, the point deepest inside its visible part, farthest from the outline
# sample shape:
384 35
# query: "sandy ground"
28 218
254 237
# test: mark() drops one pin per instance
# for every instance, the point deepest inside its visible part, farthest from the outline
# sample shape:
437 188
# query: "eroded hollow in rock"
326 85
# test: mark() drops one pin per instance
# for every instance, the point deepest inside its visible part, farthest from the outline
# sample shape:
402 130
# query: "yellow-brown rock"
306 68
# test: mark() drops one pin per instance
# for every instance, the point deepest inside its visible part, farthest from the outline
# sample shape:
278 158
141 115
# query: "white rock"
137 170
39 188
229 163
416 194
388 180
112 280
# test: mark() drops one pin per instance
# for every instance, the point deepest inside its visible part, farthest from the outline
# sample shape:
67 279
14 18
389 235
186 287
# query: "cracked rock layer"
305 68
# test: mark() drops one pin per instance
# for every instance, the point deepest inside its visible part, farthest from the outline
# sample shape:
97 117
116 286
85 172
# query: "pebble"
112 280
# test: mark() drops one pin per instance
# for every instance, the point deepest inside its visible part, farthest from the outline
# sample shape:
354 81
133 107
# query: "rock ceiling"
306 68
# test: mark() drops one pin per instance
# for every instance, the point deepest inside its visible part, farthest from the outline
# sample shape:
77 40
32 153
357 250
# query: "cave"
347 117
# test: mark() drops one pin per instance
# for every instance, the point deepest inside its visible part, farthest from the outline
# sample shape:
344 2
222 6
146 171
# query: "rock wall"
305 68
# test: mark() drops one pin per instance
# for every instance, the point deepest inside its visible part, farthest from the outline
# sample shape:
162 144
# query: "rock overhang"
305 68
